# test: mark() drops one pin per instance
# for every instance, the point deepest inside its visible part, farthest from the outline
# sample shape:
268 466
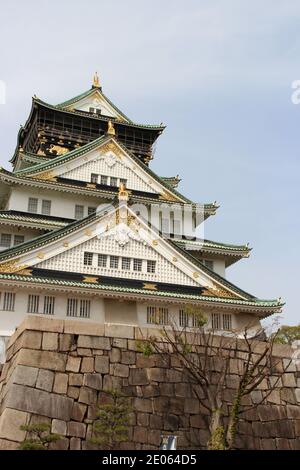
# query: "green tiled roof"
255 303
208 244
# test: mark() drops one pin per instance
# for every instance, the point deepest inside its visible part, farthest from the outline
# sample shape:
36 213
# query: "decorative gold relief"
88 232
66 244
112 147
175 259
58 149
149 286
12 266
195 275
41 153
96 80
41 255
154 242
25 272
110 128
90 279
91 185
47 176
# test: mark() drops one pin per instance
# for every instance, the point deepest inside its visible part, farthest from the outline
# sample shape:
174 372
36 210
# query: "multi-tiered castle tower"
88 230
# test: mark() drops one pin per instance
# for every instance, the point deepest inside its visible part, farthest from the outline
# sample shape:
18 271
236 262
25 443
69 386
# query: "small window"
5 240
123 181
183 318
88 258
126 263
113 181
137 264
151 266
9 301
49 302
102 261
33 304
114 262
18 239
98 111
163 316
104 180
91 210
46 207
94 178
157 315
72 307
216 321
33 205
85 308
79 212
151 315
91 110
227 321
209 264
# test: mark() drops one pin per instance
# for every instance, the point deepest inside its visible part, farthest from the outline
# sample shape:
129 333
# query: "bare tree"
208 361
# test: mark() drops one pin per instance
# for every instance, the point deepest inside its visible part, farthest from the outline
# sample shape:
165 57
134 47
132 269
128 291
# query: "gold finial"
110 128
21 149
123 193
96 81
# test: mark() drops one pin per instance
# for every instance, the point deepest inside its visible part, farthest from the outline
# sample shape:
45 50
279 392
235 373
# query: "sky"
219 74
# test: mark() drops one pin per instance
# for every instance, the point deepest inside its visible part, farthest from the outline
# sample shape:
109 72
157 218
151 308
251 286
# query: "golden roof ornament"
110 128
96 80
123 193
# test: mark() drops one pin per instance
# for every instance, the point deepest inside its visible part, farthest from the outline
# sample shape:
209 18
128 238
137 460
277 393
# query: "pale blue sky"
218 73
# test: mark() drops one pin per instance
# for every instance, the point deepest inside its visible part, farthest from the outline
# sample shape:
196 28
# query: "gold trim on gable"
149 286
12 266
90 279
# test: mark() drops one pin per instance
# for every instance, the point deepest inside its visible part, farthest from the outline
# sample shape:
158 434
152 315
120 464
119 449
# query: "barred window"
49 302
32 205
88 258
94 178
91 210
126 263
33 303
85 308
151 315
9 301
216 321
104 180
79 212
227 321
18 239
137 264
5 240
113 181
157 315
72 307
114 262
151 266
46 207
183 318
165 225
102 261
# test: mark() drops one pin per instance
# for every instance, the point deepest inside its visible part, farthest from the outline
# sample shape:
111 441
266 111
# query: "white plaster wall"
62 204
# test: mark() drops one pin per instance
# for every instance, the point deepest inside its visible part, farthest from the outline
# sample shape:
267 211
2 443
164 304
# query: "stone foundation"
57 372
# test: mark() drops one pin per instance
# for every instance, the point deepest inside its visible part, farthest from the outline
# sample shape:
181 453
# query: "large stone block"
140 434
93 381
93 342
289 380
119 331
60 383
138 377
87 396
50 341
87 364
115 355
128 357
24 375
45 380
75 443
119 370
76 380
73 364
66 341
78 412
76 429
73 392
157 374
143 404
39 402
42 359
102 364
59 427
80 327
10 422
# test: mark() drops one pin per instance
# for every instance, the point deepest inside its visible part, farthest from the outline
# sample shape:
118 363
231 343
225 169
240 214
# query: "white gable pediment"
97 101
110 160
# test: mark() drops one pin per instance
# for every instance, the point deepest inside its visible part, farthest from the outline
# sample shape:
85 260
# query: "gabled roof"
92 91
49 165
12 260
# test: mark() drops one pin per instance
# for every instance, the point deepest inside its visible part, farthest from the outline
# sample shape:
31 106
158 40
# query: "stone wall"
57 371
